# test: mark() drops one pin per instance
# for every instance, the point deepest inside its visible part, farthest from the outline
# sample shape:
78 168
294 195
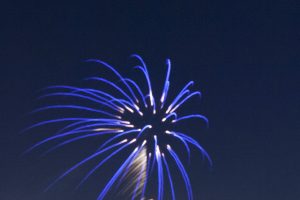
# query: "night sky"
243 55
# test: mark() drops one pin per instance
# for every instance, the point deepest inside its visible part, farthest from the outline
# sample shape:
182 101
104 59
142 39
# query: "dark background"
243 55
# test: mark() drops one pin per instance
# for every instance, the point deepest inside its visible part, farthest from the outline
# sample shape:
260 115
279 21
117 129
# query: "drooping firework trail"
132 120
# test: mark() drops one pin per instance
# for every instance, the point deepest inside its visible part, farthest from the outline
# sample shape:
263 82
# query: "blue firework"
130 118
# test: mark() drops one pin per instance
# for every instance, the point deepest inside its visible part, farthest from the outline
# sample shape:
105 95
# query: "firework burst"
132 119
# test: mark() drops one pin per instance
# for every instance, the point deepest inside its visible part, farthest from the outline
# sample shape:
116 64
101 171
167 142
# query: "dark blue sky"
243 55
